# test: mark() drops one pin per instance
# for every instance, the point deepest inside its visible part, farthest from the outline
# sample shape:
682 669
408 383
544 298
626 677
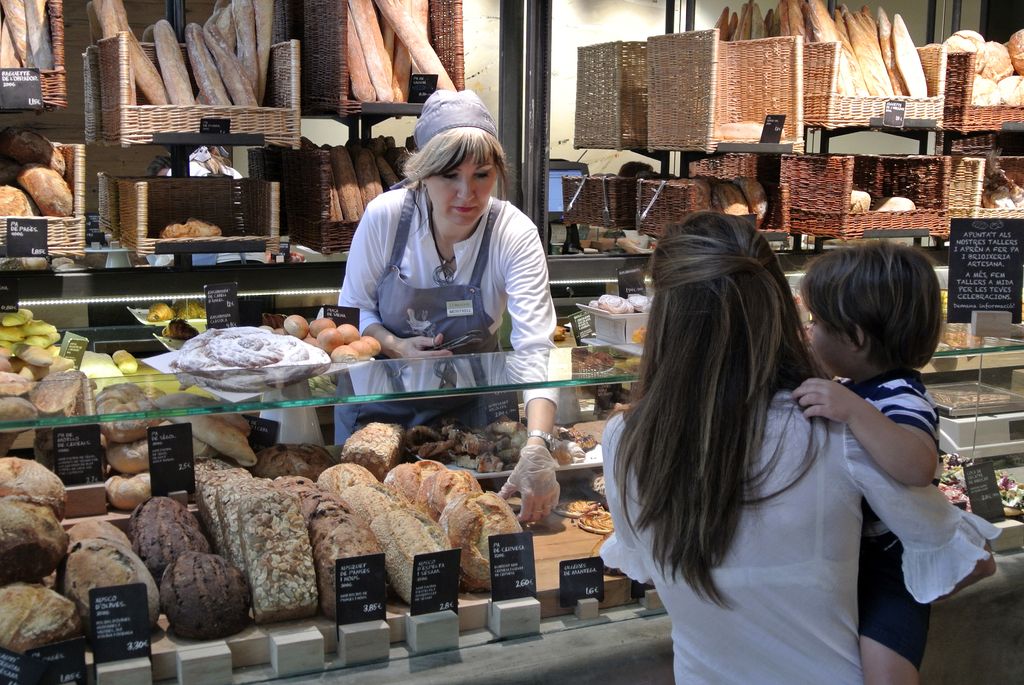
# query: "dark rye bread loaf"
161 530
204 597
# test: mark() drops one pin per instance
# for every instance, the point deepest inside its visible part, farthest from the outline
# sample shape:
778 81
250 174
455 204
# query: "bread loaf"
993 61
376 447
367 175
17 409
16 23
208 485
123 398
229 497
1015 48
308 461
727 198
193 228
348 535
28 147
8 55
424 58
406 479
204 597
224 21
740 130
97 528
241 90
172 66
9 170
743 29
468 520
211 87
161 530
893 204
869 56
860 202
346 183
823 29
370 501
362 87
48 190
440 487
401 68
25 480
403 534
128 493
376 57
13 202
37 23
114 20
888 57
985 92
222 435
244 15
129 457
340 477
1011 91
94 563
964 41
34 616
849 66
757 201
32 541
908 60
95 29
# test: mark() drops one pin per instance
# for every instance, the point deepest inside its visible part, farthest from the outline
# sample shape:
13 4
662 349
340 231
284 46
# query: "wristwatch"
546 437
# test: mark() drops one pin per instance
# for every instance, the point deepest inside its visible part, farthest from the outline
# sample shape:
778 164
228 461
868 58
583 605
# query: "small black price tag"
360 589
73 347
94 235
580 579
631 281
120 622
983 491
895 114
513 570
263 432
985 268
501 405
19 669
582 326
65 662
20 89
221 305
340 315
26 237
8 296
215 125
171 464
638 590
77 458
421 86
435 582
773 126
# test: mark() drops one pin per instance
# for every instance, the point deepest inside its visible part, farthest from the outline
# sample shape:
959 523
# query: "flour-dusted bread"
204 68
964 41
37 26
94 563
30 481
172 65
340 477
48 190
469 519
985 92
885 43
893 204
908 61
204 597
308 461
32 541
376 447
407 478
864 40
340 535
126 493
33 616
243 14
161 530
993 61
439 488
1010 91
97 528
860 202
403 534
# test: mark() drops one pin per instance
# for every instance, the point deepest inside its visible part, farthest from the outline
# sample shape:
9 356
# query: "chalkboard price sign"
77 454
19 669
263 432
773 126
120 622
895 114
8 295
983 491
513 571
221 305
985 265
20 89
360 590
582 326
435 582
580 579
65 662
26 237
171 464
631 281
340 315
421 87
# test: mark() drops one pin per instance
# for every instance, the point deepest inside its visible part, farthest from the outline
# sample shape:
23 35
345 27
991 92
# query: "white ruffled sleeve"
941 543
622 549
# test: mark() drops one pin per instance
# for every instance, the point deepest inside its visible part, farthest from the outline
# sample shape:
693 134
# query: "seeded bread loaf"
377 447
34 616
403 534
29 481
230 497
32 541
161 530
469 520
94 563
208 482
346 535
204 597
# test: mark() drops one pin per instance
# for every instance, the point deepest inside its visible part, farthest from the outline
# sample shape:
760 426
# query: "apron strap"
484 255
402 234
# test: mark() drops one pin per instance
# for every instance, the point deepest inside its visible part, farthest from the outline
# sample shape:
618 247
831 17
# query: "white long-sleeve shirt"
791 572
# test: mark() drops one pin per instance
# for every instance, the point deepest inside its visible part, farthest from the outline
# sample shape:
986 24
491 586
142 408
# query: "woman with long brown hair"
745 514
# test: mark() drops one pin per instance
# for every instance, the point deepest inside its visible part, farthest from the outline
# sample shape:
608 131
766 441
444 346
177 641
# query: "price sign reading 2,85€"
435 582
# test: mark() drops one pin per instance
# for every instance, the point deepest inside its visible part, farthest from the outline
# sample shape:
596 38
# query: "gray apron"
454 311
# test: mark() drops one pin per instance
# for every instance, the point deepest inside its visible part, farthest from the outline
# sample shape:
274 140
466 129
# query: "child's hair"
886 292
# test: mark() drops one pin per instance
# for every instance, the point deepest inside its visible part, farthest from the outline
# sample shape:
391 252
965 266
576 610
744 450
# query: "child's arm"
904 452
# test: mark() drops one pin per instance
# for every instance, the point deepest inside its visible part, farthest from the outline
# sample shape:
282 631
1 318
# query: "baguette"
362 88
756 23
744 27
224 20
8 55
823 29
264 10
211 87
172 66
16 22
38 28
378 62
734 26
869 55
367 175
347 184
856 78
908 61
387 174
231 72
769 23
796 19
95 30
244 15
423 56
888 57
723 25
335 206
784 29
113 20
149 36
402 66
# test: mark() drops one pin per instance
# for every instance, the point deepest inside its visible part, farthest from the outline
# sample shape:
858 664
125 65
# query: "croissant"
160 312
179 329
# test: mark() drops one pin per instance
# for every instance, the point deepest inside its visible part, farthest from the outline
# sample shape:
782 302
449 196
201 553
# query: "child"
875 318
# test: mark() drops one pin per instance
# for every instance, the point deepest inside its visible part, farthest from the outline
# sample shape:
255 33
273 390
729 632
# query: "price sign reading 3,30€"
120 622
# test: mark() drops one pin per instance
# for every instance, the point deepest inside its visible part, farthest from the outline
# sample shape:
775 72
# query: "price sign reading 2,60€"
435 582
513 572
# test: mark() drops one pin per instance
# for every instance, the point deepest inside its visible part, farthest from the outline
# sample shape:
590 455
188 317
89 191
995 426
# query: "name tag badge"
460 308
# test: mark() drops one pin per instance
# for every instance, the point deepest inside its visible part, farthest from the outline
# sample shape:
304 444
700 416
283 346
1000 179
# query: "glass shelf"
957 341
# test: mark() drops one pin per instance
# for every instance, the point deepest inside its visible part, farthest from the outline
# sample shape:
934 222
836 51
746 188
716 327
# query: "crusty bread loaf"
32 541
860 202
161 530
129 457
727 198
908 61
757 201
37 26
893 204
362 87
243 13
25 146
367 175
346 183
849 66
993 61
1011 91
440 487
346 535
308 461
208 484
28 481
8 55
94 563
406 479
114 20
13 202
985 92
964 41
223 435
869 56
97 528
376 57
369 501
403 534
48 190
193 228
204 597
264 13
468 520
34 616
888 56
241 90
229 497
17 24
376 446
172 66
340 477
739 130
204 68
387 174
128 493
1015 48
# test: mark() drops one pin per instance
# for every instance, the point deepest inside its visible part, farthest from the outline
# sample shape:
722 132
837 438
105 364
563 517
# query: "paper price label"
580 579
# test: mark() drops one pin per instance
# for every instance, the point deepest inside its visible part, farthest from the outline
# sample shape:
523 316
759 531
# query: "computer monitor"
558 168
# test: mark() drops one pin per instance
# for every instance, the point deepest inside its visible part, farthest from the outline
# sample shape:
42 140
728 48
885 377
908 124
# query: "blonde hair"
449 149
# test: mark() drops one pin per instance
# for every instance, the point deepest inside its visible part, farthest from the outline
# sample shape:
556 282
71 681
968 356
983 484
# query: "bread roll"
376 447
16 409
1015 48
204 597
97 528
34 616
308 461
48 189
32 541
403 534
128 493
993 61
13 202
985 92
727 198
757 201
28 147
1010 91
211 86
440 487
468 520
94 563
860 202
893 204
172 66
161 530
25 480
964 41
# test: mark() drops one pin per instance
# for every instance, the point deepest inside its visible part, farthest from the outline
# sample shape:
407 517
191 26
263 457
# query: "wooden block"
86 500
364 643
329 629
251 647
1012 537
205 664
652 601
179 496
587 609
396 621
296 651
514 617
473 612
992 324
432 632
127 672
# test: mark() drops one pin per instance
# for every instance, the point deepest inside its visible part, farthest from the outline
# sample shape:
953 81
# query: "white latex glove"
534 477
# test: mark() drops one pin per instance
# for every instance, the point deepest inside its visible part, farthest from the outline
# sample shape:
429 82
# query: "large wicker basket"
54 82
696 83
242 208
967 185
325 77
826 108
664 202
266 164
765 169
117 119
820 187
611 96
308 180
65 234
961 115
608 201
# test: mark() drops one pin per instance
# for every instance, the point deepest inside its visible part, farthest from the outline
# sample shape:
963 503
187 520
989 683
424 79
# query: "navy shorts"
889 614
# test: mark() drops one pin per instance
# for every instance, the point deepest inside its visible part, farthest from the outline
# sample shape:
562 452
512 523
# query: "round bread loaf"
161 530
97 528
122 398
965 41
346 536
29 481
340 477
292 460
59 393
403 534
32 541
407 478
48 189
96 563
1015 46
34 616
469 520
993 61
204 597
442 486
370 501
129 457
13 202
26 146
128 493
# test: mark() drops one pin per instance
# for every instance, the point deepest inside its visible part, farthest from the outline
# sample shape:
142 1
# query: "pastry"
13 385
244 347
28 481
597 521
179 329
469 519
377 447
94 563
128 493
340 477
32 541
188 309
640 303
403 534
613 304
292 460
162 529
576 508
34 616
204 597
160 311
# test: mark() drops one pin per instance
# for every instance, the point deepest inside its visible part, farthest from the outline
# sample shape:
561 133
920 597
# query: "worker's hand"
417 346
534 477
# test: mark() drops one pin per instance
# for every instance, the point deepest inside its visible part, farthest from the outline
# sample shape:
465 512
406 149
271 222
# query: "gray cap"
448 109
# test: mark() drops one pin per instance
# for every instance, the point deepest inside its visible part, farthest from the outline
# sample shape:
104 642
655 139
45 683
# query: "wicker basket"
980 144
661 203
696 82
820 187
765 169
960 114
54 82
242 208
265 164
825 108
307 187
117 120
611 96
967 184
608 201
108 205
65 234
325 78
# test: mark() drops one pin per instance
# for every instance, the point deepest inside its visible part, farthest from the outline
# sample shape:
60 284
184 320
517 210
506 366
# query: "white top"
791 574
516 279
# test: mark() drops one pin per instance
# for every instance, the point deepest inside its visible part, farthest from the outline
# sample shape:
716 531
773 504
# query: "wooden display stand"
205 664
1012 537
127 672
364 643
651 601
436 632
296 651
514 617
588 609
86 500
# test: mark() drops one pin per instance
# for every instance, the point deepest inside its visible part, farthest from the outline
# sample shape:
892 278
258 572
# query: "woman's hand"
534 477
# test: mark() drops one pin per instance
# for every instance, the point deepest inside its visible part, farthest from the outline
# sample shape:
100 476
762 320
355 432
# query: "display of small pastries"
597 521
576 508
343 342
179 329
160 311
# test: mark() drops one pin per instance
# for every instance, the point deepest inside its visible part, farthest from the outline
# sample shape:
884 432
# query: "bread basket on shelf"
663 202
967 184
608 201
824 107
65 234
611 96
308 182
266 164
699 87
765 169
54 82
961 114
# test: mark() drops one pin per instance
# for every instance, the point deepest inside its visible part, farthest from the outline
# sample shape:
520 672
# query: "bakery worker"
437 261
